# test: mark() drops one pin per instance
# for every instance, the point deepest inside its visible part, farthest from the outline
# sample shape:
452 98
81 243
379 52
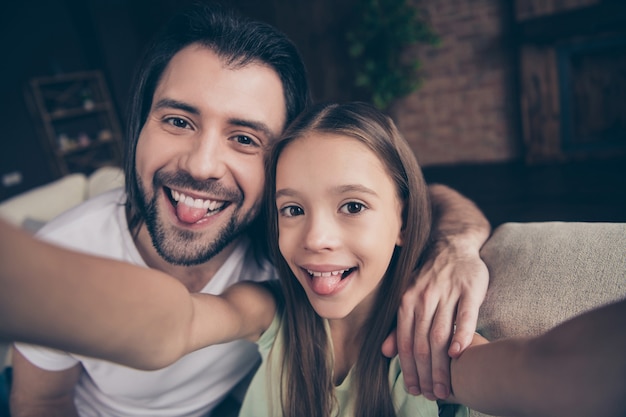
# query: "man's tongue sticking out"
188 214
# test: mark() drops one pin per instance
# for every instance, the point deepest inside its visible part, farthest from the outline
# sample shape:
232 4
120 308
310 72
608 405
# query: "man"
213 92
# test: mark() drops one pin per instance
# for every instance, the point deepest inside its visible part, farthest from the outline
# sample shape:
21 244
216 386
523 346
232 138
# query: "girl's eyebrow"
355 187
285 192
341 189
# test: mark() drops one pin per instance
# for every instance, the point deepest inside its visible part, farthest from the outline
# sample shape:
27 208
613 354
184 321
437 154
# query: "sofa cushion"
104 179
45 202
33 208
542 274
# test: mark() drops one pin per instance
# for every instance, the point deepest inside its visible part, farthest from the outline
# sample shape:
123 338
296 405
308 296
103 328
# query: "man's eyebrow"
168 103
258 126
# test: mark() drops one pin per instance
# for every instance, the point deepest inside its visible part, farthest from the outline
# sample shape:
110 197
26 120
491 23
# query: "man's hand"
447 293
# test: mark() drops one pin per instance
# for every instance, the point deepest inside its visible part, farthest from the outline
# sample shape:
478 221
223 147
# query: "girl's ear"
400 239
403 215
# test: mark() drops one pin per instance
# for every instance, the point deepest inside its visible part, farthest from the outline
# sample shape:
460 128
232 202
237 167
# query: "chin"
332 312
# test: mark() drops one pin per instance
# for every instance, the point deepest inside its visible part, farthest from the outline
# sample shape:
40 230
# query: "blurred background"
520 105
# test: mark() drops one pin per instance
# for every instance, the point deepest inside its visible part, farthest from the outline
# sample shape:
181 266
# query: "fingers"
405 338
425 328
466 321
415 348
390 346
425 337
440 335
423 353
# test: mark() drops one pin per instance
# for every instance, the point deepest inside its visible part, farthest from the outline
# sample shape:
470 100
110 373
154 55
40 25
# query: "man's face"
200 154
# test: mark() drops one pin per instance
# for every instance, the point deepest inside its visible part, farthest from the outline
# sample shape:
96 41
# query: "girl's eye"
291 211
352 207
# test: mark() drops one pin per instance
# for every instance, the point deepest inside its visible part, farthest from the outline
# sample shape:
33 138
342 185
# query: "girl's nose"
321 233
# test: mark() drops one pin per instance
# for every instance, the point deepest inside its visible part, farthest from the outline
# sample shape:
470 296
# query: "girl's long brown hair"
307 385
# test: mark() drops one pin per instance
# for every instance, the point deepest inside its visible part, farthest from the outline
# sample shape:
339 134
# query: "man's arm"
449 290
36 392
576 369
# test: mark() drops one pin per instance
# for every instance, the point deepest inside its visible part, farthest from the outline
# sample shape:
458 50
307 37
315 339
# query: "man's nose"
205 158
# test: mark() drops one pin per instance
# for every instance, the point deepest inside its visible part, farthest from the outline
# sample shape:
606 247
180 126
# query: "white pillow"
45 202
104 179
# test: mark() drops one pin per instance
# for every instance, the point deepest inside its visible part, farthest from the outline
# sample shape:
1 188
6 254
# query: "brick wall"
525 9
465 110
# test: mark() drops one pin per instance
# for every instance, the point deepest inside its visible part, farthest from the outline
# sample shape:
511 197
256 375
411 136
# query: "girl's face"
339 219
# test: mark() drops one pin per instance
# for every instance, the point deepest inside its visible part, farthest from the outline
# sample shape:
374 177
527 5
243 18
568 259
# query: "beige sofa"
541 274
31 209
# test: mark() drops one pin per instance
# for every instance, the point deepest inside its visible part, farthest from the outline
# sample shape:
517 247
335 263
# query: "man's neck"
196 277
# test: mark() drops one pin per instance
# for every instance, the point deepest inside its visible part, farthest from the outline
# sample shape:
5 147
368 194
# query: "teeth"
326 274
210 205
193 203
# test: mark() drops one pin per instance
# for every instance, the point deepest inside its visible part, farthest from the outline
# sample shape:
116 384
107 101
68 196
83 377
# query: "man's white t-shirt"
190 387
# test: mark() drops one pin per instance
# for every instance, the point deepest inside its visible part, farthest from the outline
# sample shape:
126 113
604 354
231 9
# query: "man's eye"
245 140
352 207
178 122
291 211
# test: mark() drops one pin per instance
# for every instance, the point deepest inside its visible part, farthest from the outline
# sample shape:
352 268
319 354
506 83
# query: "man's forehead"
215 61
197 76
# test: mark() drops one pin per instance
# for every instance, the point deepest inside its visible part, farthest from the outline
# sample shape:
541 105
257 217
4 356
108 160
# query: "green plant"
380 33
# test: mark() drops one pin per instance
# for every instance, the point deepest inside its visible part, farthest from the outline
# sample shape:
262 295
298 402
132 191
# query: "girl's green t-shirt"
263 400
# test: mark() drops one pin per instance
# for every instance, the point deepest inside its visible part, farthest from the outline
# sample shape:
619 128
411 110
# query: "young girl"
342 184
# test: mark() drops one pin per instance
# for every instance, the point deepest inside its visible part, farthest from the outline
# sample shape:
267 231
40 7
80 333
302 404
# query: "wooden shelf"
79 127
77 112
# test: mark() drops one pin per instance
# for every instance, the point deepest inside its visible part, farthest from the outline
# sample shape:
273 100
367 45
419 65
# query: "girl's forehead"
328 156
327 140
320 169
326 147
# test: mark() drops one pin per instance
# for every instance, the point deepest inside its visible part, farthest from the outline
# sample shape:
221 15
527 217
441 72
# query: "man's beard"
186 247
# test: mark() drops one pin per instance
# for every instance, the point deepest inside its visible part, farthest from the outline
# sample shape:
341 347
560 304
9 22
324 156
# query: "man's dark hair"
238 41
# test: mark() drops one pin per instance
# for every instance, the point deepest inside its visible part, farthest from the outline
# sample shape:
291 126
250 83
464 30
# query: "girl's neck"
346 336
346 345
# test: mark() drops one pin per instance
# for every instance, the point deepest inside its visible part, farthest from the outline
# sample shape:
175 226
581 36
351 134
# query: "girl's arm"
576 369
136 316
